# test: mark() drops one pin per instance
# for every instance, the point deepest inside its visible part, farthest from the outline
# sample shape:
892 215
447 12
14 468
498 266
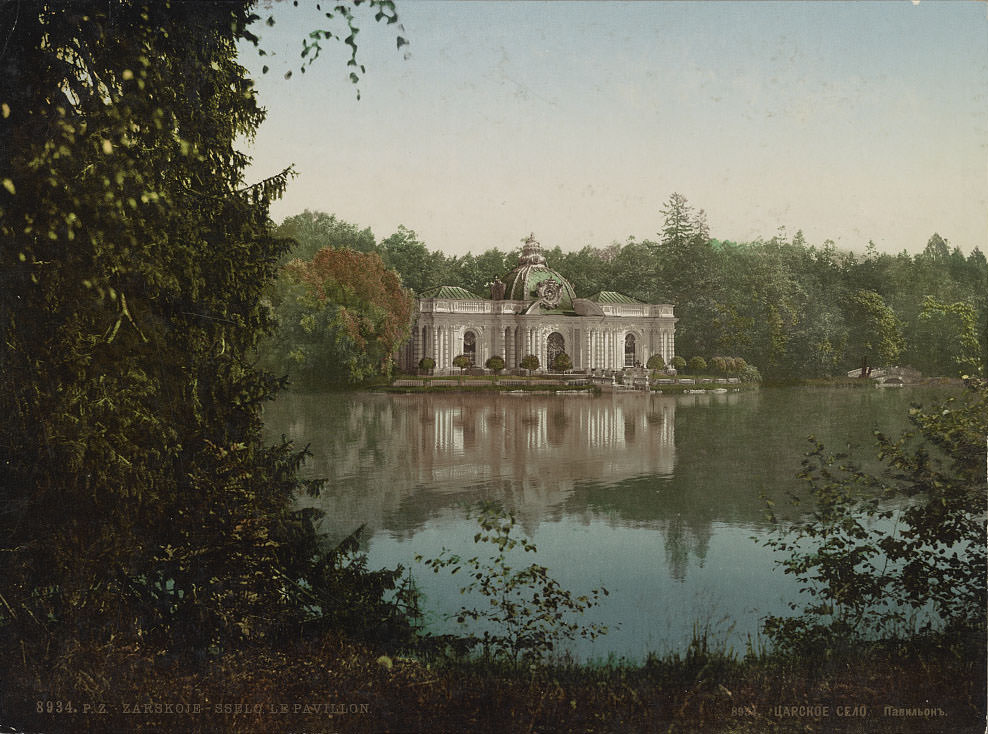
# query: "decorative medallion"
550 292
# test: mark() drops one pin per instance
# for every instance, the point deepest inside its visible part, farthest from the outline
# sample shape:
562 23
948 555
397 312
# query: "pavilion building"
534 310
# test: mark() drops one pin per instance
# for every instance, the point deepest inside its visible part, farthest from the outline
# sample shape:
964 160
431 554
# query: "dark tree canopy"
135 489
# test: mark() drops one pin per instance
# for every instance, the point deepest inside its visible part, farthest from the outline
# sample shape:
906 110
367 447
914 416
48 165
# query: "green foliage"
342 317
419 269
677 363
135 259
495 363
562 362
311 231
655 362
529 362
747 373
949 334
525 613
718 365
427 363
139 503
462 361
796 310
878 553
337 592
874 333
697 365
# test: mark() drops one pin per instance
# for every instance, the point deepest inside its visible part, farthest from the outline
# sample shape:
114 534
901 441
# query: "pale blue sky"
850 121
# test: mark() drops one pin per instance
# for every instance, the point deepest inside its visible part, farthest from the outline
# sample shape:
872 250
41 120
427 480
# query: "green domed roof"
523 282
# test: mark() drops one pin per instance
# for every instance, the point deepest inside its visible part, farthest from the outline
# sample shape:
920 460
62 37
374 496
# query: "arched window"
555 345
629 350
470 346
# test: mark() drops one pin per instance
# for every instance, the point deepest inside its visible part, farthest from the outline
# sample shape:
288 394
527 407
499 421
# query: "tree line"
794 309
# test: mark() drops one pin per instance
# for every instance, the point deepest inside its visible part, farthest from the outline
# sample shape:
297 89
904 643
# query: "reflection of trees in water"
396 461
675 464
683 540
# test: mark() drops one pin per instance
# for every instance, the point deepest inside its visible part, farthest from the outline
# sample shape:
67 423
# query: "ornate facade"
534 310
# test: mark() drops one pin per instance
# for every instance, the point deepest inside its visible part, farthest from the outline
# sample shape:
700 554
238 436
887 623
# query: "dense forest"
794 309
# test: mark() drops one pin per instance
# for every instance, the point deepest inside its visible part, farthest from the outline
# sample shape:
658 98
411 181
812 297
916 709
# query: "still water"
659 499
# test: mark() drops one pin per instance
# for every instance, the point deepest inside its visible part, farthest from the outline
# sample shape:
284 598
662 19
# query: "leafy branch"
527 611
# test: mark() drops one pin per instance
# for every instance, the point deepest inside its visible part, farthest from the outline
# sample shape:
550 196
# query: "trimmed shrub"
697 364
655 362
562 362
427 364
495 364
678 364
529 362
462 361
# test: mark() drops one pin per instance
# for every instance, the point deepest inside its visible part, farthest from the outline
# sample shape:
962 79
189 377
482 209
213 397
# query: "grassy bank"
331 684
857 382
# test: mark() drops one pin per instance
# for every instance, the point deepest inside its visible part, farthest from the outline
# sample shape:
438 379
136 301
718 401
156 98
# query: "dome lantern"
533 280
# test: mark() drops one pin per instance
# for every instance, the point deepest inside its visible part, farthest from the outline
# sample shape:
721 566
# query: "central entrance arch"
629 350
555 345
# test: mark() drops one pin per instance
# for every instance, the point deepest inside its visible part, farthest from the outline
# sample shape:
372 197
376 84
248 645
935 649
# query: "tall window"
629 350
470 347
555 346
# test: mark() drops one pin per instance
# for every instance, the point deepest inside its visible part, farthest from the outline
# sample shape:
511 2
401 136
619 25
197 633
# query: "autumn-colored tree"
343 317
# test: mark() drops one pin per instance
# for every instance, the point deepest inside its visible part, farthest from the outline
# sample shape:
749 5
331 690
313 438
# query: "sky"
854 122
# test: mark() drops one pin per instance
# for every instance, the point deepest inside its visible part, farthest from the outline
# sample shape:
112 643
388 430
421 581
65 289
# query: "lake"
657 498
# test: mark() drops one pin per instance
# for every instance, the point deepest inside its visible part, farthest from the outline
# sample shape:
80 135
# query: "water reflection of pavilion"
554 439
396 461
